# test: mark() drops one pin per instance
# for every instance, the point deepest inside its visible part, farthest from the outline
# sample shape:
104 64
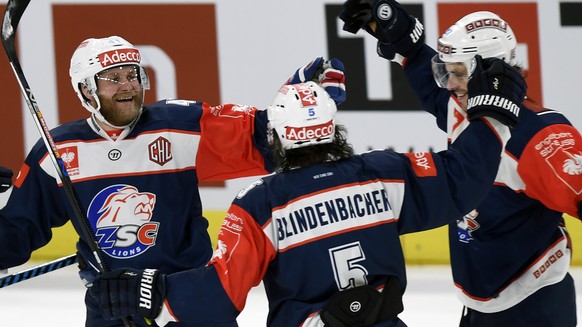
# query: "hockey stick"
14 11
38 270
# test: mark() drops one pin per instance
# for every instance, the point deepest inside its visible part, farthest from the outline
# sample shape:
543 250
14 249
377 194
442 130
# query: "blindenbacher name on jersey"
493 100
119 56
309 218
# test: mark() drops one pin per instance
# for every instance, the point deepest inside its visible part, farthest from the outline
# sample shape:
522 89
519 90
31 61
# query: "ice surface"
56 299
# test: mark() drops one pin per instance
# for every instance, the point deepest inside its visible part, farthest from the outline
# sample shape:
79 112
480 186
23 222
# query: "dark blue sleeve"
433 98
33 208
464 175
201 286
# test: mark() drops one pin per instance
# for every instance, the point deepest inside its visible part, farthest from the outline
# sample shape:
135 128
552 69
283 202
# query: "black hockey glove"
327 73
5 179
356 15
363 305
495 90
128 292
397 32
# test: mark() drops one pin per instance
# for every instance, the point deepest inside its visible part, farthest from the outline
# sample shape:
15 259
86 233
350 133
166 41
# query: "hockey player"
323 233
135 169
5 179
510 255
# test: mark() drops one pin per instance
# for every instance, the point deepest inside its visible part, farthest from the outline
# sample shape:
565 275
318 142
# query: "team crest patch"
467 225
70 157
121 218
567 166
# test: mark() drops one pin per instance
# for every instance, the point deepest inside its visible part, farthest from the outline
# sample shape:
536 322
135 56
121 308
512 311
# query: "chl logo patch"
160 151
120 216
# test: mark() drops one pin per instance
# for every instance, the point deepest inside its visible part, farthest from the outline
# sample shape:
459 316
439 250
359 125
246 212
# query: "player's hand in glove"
5 179
495 90
356 15
397 32
327 73
128 292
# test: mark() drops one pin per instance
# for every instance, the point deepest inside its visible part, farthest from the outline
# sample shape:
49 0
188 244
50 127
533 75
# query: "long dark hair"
286 160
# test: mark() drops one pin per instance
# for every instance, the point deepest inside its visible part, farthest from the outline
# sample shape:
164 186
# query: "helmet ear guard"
302 115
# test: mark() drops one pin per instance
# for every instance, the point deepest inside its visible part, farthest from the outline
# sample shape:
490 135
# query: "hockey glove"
327 73
356 15
495 90
127 292
309 72
333 80
5 179
397 32
363 305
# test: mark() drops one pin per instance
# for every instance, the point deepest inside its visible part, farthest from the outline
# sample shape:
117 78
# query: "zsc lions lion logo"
121 215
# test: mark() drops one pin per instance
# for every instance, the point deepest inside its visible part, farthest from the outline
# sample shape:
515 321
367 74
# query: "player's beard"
122 108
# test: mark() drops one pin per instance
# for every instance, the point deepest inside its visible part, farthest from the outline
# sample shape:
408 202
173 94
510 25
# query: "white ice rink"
56 299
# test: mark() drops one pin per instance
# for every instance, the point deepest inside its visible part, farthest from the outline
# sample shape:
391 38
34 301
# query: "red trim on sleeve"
226 148
242 255
551 167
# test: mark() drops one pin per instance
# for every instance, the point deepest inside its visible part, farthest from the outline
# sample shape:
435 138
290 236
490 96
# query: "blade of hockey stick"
12 15
14 11
38 270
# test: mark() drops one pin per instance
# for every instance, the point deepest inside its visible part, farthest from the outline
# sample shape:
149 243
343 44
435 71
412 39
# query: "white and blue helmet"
480 33
95 55
302 115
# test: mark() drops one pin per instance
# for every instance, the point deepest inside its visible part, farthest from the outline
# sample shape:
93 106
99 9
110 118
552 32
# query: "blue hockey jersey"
139 190
515 241
311 232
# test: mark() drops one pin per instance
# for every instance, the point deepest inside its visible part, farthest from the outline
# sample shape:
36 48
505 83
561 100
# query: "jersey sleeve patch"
422 164
21 175
551 166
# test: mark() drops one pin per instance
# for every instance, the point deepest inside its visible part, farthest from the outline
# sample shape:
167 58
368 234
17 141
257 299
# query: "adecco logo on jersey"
119 56
309 133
